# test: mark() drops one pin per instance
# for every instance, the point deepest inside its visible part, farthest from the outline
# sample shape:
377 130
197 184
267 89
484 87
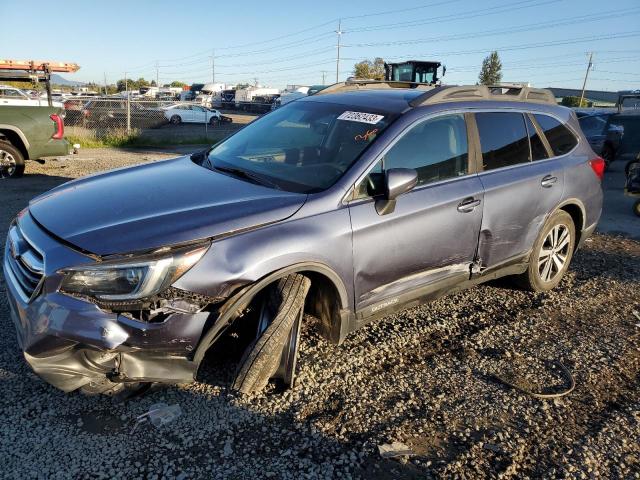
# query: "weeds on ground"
119 138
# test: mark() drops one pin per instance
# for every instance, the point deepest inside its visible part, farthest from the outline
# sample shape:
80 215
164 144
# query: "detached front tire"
11 161
273 354
551 254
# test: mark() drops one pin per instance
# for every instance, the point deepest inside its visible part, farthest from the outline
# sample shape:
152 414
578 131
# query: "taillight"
59 133
597 164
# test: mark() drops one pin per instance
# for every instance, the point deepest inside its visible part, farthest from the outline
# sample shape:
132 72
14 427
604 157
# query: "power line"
483 12
526 46
518 29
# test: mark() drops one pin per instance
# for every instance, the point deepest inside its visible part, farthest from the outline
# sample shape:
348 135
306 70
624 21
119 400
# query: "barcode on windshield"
362 117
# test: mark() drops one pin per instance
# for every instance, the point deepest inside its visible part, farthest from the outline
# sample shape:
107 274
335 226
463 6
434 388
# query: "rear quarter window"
561 139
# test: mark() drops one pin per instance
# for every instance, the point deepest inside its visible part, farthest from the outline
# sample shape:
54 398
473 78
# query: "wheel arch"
575 208
16 138
328 299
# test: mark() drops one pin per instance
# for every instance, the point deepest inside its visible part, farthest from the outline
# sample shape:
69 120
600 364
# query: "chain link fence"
120 120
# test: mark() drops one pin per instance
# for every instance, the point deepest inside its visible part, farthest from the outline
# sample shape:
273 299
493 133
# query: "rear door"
431 237
522 183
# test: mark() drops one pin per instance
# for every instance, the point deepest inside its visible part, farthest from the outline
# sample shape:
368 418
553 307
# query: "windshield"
303 147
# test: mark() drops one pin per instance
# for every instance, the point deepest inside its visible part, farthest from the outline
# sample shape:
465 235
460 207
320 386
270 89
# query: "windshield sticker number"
362 117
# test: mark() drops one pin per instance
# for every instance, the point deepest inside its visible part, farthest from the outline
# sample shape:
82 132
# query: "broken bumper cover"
70 342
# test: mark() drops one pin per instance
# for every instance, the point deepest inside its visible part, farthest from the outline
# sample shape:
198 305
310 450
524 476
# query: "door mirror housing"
397 181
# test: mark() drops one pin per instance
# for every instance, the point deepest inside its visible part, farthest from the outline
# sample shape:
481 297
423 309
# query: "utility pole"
213 66
339 32
126 89
324 73
586 75
157 74
105 82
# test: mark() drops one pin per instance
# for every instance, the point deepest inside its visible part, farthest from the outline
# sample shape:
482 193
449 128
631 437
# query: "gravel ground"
428 377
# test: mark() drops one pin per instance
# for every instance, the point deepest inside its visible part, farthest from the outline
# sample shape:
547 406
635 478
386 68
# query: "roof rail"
484 92
367 84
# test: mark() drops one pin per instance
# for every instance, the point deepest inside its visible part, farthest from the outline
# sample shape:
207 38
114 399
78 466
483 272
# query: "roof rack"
367 84
484 92
445 93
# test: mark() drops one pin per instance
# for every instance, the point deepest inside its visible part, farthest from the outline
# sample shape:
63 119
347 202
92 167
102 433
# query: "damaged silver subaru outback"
346 205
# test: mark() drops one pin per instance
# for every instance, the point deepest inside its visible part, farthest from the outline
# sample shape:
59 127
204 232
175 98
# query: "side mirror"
396 182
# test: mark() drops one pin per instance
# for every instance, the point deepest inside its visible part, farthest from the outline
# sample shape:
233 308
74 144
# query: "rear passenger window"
560 137
538 150
503 139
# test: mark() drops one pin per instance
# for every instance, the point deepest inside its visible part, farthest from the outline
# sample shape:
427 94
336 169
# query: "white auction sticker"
362 117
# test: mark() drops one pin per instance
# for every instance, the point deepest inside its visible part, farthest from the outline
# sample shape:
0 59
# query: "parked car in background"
189 113
14 96
112 113
73 111
29 133
602 133
349 204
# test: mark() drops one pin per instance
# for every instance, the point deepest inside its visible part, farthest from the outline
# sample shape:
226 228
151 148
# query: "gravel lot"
427 377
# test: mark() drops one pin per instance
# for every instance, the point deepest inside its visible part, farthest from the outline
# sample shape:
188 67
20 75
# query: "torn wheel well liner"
328 299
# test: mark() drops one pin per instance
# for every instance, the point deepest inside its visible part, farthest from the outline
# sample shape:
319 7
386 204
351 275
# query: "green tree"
176 83
369 70
491 72
572 101
132 84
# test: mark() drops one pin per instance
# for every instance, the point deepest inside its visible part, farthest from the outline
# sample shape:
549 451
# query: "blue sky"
544 42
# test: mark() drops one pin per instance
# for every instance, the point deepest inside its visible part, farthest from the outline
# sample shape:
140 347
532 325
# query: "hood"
155 205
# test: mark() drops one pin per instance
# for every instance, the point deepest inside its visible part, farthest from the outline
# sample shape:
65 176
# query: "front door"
431 237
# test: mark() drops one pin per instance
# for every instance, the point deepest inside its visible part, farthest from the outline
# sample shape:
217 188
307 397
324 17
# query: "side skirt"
435 290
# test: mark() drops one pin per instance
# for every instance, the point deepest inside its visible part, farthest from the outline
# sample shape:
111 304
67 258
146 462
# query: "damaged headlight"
131 279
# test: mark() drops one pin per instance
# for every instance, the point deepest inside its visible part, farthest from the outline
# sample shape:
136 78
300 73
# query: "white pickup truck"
14 96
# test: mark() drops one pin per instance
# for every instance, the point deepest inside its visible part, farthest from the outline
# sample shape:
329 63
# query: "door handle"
548 181
468 205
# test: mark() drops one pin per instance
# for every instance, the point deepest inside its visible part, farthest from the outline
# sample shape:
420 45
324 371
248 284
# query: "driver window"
436 148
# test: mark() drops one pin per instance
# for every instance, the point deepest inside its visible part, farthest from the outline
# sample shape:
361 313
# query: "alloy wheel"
554 252
7 164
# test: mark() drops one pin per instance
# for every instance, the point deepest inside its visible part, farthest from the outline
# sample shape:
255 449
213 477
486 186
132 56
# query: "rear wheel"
551 254
11 161
176 120
274 353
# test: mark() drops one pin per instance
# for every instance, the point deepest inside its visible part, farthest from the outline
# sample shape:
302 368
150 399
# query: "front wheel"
214 121
176 120
11 161
551 254
274 353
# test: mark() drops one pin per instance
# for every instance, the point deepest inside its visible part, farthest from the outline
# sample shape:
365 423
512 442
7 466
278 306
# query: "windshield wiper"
251 176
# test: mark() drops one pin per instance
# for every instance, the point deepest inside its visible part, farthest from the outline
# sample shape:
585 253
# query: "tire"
627 167
11 161
541 277
636 208
176 120
214 121
285 304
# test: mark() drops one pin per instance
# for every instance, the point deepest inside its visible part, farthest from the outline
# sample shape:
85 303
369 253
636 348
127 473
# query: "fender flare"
18 132
241 299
